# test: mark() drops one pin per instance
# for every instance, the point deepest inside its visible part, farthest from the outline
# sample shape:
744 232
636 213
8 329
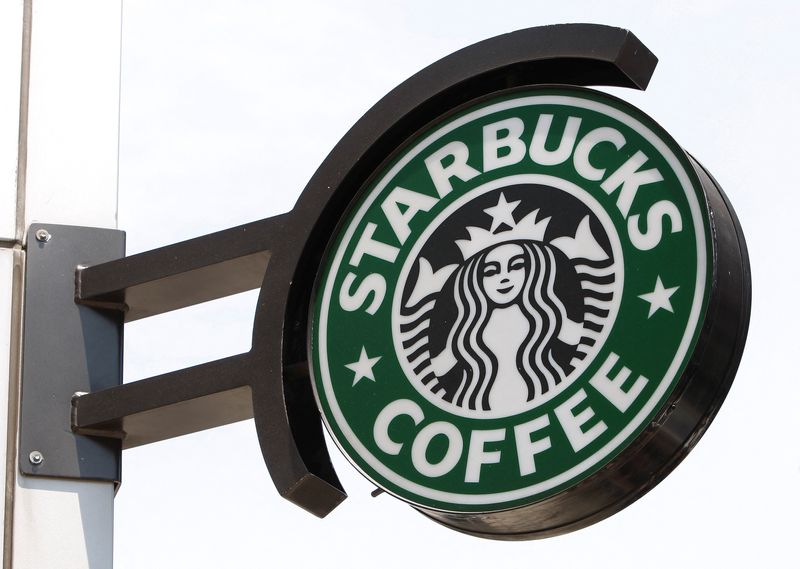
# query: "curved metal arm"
284 409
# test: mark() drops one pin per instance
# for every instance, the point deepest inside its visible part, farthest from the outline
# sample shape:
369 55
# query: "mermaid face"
503 273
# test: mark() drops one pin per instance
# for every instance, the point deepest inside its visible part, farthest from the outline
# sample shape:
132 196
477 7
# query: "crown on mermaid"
526 229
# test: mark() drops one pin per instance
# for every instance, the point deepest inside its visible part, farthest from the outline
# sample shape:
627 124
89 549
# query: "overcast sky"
227 109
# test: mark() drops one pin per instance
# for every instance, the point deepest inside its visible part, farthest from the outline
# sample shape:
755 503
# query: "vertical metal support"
67 348
12 70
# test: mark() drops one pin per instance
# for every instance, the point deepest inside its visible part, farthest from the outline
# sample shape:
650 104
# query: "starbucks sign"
511 299
516 303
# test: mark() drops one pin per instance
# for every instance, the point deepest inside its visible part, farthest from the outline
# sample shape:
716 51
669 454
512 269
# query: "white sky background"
228 108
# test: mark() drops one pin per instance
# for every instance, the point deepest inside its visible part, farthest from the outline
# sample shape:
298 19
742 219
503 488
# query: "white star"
502 213
363 367
659 298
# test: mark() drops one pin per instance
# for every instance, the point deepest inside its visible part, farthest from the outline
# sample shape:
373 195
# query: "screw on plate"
36 457
42 235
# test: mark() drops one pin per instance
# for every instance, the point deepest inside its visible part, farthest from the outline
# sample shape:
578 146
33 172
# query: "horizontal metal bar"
169 405
186 273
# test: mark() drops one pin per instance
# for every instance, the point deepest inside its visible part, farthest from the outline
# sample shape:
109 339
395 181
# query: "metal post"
63 89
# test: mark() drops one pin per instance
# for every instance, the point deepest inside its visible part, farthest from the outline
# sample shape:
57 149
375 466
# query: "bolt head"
42 235
36 457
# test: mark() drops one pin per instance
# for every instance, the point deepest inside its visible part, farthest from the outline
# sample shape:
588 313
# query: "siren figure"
511 340
509 320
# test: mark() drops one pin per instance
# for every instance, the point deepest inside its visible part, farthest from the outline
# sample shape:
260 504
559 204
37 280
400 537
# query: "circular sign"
511 300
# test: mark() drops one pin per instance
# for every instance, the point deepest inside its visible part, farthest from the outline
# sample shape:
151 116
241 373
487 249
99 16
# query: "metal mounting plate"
67 348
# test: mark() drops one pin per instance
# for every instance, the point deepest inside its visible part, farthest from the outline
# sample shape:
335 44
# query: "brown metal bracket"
270 383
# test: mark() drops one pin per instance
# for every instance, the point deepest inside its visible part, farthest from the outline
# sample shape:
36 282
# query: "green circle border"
358 207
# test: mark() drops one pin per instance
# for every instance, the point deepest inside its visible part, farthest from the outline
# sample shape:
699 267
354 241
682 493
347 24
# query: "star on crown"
526 229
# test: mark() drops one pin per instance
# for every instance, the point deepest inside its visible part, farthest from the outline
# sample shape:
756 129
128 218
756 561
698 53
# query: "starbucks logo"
510 300
507 296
